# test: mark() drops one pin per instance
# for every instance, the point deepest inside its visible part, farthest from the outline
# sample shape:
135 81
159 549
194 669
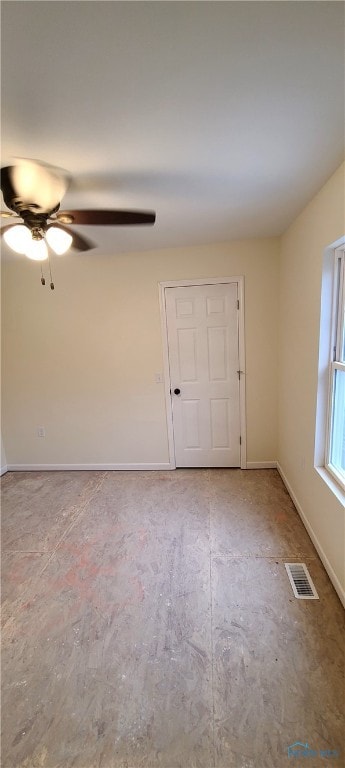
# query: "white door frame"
167 383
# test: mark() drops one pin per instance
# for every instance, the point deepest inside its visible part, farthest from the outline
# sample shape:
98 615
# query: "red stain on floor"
281 517
93 575
139 590
20 571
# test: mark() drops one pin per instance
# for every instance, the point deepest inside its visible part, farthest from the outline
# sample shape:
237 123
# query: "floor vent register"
300 580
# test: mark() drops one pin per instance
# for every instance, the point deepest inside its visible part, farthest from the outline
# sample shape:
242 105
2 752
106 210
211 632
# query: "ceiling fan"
32 191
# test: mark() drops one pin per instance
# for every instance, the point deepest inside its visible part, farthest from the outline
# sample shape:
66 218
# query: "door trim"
241 341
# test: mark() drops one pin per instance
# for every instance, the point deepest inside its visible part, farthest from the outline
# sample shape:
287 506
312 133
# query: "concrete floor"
149 622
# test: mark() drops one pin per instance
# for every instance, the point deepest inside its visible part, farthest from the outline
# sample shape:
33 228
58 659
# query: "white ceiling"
224 117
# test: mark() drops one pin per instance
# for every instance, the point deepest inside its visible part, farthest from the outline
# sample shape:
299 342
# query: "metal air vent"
302 585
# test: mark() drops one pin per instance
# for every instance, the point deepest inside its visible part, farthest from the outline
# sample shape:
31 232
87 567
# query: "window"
335 449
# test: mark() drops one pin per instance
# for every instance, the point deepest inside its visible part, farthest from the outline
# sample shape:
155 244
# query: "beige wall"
301 262
81 361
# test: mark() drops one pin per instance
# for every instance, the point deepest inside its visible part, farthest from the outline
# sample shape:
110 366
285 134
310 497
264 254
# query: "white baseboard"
114 467
86 467
3 470
261 465
323 557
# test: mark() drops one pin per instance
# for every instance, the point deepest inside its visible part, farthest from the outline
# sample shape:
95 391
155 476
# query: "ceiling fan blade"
79 243
8 215
106 218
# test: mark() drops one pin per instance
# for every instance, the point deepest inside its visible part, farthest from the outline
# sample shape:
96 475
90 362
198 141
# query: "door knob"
177 391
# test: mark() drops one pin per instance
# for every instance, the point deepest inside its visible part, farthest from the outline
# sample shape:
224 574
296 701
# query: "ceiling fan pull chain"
42 276
52 286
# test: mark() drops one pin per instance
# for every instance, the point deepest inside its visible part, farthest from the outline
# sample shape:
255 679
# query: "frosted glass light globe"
58 239
37 250
18 238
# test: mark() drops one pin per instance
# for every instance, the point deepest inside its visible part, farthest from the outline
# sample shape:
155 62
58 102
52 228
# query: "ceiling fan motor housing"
26 210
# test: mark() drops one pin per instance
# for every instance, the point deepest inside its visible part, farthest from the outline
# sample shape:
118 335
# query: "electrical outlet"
41 432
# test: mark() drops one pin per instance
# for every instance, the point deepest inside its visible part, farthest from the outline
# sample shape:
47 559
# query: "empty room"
172 384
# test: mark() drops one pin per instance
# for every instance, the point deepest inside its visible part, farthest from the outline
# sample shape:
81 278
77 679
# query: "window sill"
332 484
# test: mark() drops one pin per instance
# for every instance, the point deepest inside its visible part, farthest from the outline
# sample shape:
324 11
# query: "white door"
203 349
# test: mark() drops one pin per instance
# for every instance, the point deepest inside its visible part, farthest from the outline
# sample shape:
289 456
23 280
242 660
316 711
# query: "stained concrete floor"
148 621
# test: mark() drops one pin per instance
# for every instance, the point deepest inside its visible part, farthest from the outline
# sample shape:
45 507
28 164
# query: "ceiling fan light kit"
32 190
32 244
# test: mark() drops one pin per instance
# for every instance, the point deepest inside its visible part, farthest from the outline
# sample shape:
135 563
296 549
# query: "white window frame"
337 362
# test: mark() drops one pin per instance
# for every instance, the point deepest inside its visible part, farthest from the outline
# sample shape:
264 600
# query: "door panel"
186 345
202 325
220 437
191 420
217 346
